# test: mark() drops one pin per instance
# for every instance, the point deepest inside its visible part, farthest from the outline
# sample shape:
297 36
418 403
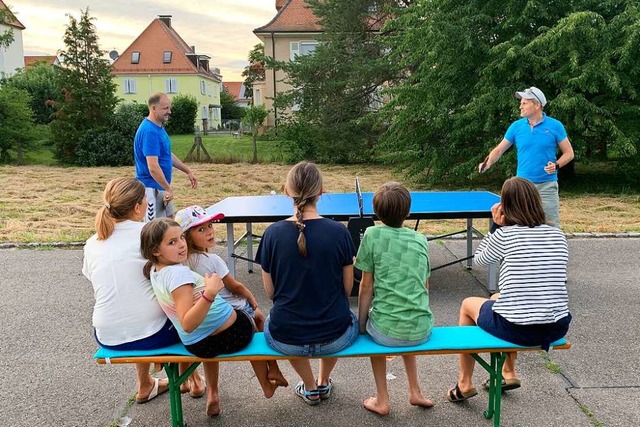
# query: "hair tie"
301 226
107 206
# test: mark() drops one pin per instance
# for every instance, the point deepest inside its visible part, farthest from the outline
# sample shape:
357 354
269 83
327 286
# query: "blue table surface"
342 205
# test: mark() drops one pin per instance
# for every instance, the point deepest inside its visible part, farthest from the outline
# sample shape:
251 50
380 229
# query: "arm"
177 163
347 278
494 155
157 174
240 290
364 300
268 284
567 155
192 315
426 283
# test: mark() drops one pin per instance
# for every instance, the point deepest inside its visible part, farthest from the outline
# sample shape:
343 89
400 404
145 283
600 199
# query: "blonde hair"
304 185
150 239
119 198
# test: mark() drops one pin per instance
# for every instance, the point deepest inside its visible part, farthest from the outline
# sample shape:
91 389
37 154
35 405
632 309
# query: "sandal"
310 397
325 390
507 384
456 395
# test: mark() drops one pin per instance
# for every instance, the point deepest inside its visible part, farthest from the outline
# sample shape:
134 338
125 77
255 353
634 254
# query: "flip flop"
155 392
456 395
507 384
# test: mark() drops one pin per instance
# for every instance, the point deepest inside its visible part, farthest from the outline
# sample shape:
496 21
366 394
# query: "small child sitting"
393 305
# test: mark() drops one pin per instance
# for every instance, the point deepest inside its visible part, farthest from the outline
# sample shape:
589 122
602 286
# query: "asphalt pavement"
49 378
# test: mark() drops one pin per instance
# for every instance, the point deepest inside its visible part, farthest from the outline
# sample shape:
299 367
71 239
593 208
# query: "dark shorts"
163 338
234 338
525 335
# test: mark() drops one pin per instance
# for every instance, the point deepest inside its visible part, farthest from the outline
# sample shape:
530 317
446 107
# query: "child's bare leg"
469 311
415 394
303 369
326 366
211 370
193 384
258 318
275 374
145 382
262 373
380 402
509 367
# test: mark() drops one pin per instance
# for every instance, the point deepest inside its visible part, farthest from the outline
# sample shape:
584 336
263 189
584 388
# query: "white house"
12 56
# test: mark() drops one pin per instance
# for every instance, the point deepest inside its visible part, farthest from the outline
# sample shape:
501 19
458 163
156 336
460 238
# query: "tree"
40 82
16 126
87 86
229 108
184 109
254 117
254 72
462 62
6 37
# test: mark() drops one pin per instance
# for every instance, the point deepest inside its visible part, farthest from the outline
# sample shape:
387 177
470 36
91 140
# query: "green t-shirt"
399 261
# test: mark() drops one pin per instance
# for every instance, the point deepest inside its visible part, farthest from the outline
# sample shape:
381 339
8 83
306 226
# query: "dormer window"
135 57
166 57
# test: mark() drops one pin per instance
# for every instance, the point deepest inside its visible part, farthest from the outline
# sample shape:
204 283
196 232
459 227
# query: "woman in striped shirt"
532 306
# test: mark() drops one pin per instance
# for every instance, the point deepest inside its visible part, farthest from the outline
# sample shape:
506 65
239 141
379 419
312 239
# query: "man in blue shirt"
154 160
537 138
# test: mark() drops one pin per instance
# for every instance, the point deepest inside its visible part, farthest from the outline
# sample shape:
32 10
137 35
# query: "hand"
497 214
193 179
168 196
212 285
484 165
252 302
550 168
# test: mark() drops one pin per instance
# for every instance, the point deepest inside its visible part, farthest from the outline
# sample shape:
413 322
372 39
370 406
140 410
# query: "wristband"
557 166
206 298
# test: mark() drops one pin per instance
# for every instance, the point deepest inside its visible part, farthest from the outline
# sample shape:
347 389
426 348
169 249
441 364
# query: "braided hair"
304 185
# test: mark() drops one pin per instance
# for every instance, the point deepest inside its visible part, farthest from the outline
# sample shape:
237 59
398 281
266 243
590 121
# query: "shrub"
184 109
104 148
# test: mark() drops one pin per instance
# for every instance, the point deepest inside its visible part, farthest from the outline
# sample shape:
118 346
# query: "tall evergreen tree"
87 86
254 72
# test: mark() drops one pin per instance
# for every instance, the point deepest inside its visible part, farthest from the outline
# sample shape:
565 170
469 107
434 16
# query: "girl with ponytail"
307 270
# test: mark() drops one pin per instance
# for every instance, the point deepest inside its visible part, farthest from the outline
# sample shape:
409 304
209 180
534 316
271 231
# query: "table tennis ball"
273 192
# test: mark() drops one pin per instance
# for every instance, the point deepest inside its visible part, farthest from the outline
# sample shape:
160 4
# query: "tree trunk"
255 147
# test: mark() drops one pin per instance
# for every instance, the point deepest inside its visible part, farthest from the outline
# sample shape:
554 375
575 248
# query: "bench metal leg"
495 384
175 397
231 246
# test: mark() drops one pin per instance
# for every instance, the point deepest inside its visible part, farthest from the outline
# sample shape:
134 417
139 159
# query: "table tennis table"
426 205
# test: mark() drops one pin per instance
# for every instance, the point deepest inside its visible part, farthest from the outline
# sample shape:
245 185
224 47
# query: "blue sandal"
325 390
310 397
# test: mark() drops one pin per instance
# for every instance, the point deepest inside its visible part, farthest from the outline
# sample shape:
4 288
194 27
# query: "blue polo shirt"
152 140
536 146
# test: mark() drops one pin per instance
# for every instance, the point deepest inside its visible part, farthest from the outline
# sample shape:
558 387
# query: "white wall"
11 57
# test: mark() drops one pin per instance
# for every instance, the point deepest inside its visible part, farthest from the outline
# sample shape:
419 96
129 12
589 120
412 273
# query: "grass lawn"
230 149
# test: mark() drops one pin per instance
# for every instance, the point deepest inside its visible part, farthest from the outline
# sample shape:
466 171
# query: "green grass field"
229 149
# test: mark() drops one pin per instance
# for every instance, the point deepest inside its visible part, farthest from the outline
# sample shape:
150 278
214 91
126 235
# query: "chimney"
193 49
166 19
279 4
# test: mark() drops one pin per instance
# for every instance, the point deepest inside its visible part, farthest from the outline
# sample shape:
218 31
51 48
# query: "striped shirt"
533 272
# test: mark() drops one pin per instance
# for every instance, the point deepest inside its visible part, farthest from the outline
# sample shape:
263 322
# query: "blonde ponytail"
119 198
304 185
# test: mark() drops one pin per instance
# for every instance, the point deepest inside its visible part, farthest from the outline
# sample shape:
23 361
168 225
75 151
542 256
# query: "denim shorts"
526 335
308 350
387 341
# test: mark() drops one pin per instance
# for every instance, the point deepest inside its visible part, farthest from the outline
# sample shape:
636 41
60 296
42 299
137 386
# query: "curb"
460 236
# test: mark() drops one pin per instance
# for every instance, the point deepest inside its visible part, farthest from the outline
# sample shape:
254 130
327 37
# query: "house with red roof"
292 32
12 56
239 91
31 60
159 60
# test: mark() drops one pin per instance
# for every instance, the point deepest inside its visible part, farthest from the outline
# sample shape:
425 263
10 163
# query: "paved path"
49 378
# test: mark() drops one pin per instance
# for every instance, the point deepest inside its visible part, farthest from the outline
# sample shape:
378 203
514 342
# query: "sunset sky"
221 29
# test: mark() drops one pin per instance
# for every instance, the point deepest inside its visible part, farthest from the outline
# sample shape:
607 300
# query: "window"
216 113
257 97
205 112
302 48
129 86
166 57
171 85
203 87
135 57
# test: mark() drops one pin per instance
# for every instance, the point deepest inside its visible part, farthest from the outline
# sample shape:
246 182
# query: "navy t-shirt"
309 302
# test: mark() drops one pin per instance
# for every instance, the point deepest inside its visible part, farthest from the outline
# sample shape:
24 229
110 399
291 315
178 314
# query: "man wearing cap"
154 160
537 138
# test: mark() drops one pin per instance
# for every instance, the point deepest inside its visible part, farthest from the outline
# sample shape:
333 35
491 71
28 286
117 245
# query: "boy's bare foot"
270 389
420 400
372 404
196 386
277 377
213 405
184 387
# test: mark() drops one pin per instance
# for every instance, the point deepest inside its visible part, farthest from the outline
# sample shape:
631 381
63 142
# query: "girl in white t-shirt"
198 228
207 325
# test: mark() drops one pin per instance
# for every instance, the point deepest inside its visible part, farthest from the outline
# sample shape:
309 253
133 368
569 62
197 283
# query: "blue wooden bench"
444 340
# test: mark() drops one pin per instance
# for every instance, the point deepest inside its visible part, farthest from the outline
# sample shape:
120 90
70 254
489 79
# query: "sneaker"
325 390
310 397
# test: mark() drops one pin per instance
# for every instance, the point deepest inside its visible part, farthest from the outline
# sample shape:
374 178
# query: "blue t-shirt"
152 140
309 302
536 147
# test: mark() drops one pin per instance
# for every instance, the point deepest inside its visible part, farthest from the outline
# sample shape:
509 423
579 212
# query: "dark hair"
193 249
521 203
392 203
150 239
304 185
120 197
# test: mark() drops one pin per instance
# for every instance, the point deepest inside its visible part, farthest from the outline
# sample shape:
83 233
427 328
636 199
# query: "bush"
184 109
104 148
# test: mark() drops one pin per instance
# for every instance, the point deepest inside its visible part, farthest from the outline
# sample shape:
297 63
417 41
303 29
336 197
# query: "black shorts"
234 338
525 335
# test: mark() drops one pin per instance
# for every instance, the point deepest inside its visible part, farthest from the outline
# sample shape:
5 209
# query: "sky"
221 29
